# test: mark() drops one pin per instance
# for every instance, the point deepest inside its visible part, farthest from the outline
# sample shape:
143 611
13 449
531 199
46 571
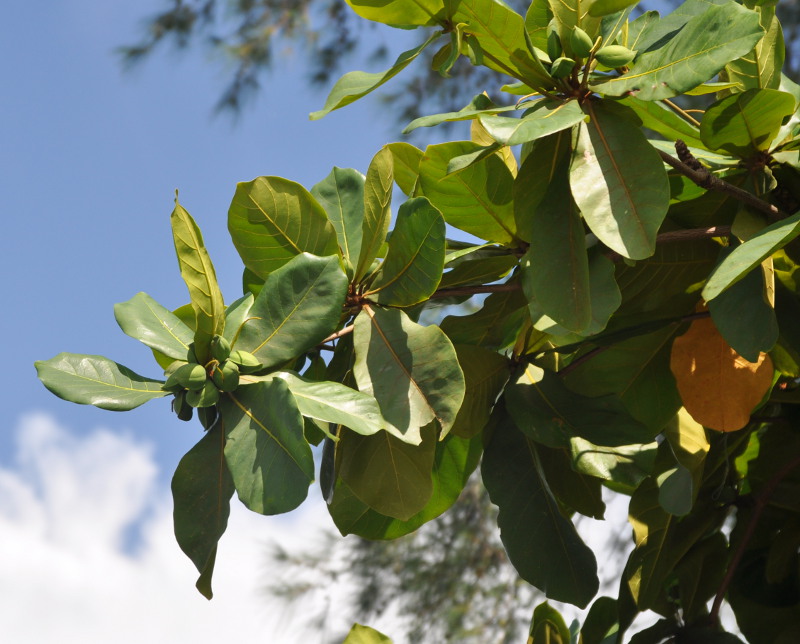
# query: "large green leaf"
272 220
411 370
198 273
537 17
417 13
377 204
744 317
549 413
541 543
415 259
455 460
569 14
494 326
485 374
98 381
477 200
555 269
354 85
659 118
746 122
267 455
202 488
574 490
341 194
143 318
501 35
406 159
622 468
481 270
236 315
762 66
696 53
618 181
386 473
546 117
750 254
333 402
299 306
479 105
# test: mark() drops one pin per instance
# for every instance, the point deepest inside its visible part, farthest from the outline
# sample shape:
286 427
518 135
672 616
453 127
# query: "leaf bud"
580 43
614 56
561 67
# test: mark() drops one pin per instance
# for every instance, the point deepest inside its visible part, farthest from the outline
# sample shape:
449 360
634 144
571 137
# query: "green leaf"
411 370
271 220
354 85
455 460
607 7
298 307
336 403
659 118
546 117
549 413
143 318
569 14
536 20
386 473
747 122
406 159
485 375
548 626
542 545
500 31
377 203
202 488
95 380
365 635
477 200
481 270
555 269
236 315
341 194
575 491
695 54
744 317
601 621
198 273
267 455
619 182
762 66
415 259
479 105
494 326
750 254
623 468
417 13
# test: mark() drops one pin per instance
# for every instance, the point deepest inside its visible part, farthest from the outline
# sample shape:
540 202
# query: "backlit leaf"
341 194
377 203
143 318
546 117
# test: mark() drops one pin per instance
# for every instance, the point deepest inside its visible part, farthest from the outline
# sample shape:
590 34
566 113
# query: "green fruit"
561 67
580 42
205 397
220 348
554 48
190 355
181 407
172 384
247 361
614 56
191 376
226 376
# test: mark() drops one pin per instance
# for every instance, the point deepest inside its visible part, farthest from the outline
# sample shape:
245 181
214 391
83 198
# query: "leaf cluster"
638 333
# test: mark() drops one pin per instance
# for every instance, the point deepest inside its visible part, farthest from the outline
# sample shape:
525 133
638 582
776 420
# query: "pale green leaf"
377 203
546 117
341 194
143 318
365 635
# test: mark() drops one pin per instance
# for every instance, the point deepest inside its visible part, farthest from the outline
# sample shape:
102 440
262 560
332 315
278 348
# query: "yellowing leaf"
718 387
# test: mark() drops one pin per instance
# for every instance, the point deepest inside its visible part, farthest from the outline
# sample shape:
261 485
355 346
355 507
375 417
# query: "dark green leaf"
202 488
411 370
600 622
272 220
548 626
341 194
98 381
143 318
201 279
619 182
695 54
656 116
623 468
494 326
485 375
542 545
298 307
267 455
481 270
478 200
574 490
415 259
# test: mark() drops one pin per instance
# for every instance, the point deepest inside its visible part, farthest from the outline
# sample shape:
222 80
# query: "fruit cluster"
582 47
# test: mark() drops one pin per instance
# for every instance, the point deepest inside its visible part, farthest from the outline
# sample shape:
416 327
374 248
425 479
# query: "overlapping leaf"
762 66
271 220
98 381
378 199
546 117
143 318
266 453
341 194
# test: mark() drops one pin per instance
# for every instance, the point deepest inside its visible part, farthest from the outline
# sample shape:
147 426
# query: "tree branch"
761 503
690 167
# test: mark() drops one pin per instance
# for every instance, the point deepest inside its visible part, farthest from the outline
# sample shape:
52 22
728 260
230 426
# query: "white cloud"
67 574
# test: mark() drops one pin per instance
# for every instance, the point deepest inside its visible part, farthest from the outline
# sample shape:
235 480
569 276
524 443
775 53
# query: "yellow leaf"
718 387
